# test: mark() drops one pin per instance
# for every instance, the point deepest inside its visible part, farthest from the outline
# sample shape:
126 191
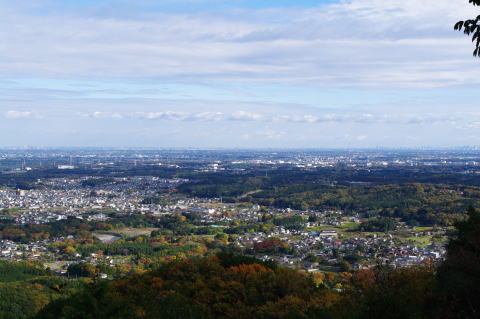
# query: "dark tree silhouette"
471 27
459 275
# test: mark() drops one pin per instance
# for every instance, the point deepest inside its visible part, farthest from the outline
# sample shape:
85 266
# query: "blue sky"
182 5
240 74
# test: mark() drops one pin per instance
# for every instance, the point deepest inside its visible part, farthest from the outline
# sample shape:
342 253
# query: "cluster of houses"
321 234
328 248
328 242
58 198
324 238
15 251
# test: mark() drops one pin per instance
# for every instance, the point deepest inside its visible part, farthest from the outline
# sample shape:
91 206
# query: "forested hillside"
414 202
25 288
231 286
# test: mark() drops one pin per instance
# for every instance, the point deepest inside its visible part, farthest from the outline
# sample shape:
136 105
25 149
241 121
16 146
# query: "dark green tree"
459 275
471 27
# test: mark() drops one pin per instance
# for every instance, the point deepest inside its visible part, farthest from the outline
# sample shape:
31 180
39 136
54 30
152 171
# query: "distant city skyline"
237 74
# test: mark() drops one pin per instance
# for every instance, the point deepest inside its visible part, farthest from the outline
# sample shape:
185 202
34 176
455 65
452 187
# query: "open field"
348 226
422 229
423 241
129 232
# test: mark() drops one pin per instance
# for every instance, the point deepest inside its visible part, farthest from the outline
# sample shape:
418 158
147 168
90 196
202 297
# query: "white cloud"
245 116
169 115
101 115
374 43
474 125
15 115
208 116
307 119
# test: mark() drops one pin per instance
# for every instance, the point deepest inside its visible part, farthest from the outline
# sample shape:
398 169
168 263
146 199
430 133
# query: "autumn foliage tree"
388 293
223 286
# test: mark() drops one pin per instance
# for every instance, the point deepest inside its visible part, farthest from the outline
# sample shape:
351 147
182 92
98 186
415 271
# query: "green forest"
416 203
25 288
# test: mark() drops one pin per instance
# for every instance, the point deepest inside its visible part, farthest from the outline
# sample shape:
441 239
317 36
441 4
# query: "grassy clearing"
130 232
318 228
11 211
420 241
348 226
422 229
57 265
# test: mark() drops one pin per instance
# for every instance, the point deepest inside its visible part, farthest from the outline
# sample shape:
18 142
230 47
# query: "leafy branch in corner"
471 27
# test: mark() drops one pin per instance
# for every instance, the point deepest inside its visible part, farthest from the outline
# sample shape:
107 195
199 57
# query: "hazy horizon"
475 148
